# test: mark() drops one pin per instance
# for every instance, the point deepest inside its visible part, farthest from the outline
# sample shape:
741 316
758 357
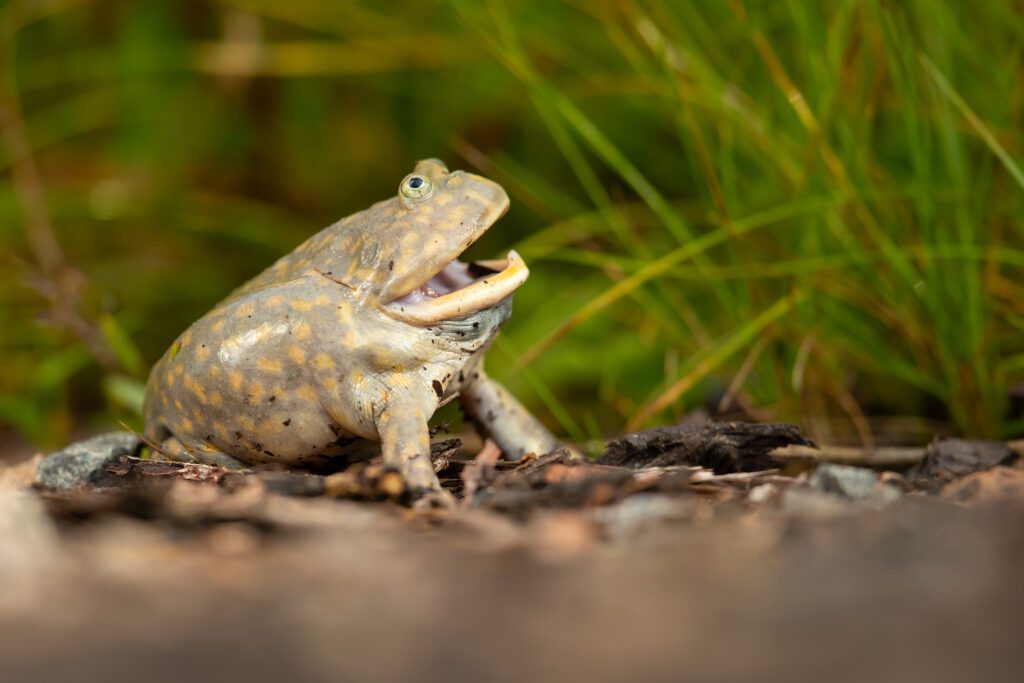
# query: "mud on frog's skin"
360 333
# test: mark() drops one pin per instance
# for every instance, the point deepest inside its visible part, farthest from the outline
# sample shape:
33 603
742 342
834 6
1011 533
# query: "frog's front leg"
515 430
405 445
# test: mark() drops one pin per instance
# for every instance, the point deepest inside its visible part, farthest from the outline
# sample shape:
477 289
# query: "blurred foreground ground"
724 578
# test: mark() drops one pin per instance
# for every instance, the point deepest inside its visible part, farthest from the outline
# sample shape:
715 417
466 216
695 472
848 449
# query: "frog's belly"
279 428
252 378
253 416
289 434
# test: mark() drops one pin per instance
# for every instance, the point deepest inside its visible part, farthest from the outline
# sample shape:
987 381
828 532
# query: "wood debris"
720 446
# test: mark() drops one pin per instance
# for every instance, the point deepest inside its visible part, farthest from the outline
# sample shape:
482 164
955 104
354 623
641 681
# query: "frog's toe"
420 476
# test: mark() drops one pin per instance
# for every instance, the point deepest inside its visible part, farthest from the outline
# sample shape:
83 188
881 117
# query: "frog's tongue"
461 289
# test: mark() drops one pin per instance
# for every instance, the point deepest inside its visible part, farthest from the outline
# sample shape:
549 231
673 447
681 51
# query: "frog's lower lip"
461 289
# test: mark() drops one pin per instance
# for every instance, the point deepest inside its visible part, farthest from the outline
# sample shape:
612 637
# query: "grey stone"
84 463
950 459
852 483
625 519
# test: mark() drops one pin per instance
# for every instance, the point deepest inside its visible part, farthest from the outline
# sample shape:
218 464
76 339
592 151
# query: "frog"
356 337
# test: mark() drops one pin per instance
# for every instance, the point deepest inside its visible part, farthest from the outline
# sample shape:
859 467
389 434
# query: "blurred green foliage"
808 211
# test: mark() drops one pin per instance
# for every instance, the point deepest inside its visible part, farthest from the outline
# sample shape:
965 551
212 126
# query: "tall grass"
850 126
787 210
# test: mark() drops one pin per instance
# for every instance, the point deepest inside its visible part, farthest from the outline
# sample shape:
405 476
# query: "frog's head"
406 249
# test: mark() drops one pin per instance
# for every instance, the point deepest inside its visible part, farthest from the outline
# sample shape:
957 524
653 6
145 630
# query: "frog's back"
302 261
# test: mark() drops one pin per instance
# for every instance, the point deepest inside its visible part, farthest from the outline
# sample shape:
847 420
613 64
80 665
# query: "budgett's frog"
360 333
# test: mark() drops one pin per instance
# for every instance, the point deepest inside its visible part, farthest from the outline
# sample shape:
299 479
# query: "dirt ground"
553 570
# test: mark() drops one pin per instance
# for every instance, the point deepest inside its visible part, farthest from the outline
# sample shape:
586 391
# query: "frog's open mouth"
460 289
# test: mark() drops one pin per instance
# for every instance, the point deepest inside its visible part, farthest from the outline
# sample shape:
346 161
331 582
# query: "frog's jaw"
422 238
458 291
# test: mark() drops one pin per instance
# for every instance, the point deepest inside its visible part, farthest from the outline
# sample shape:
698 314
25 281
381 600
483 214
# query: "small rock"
950 459
623 520
853 483
849 482
84 463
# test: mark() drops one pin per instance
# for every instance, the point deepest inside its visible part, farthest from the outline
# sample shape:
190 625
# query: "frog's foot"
186 450
405 446
424 489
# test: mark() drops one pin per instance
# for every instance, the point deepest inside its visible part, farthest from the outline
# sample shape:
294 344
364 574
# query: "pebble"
84 463
853 483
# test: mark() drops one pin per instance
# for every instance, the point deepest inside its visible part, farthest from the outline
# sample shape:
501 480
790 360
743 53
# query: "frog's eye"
416 187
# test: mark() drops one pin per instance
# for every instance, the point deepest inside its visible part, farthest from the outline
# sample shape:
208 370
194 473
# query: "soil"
707 553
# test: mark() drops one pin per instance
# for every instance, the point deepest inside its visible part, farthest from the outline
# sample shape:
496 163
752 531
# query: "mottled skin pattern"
315 355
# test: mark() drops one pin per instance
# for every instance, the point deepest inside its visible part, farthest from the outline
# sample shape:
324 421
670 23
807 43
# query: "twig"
145 439
887 456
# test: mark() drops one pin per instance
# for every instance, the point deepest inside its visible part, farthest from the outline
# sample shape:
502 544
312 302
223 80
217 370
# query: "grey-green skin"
333 344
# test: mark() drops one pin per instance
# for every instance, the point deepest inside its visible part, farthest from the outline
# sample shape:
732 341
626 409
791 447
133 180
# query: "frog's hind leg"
504 419
186 450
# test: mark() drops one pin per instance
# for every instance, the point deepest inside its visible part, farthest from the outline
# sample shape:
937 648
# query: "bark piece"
721 446
442 452
136 470
560 480
593 488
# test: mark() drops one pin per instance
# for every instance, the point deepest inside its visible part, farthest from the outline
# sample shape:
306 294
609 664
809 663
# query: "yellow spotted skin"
304 362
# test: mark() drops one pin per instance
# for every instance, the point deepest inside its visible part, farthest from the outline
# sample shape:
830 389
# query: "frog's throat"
455 293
